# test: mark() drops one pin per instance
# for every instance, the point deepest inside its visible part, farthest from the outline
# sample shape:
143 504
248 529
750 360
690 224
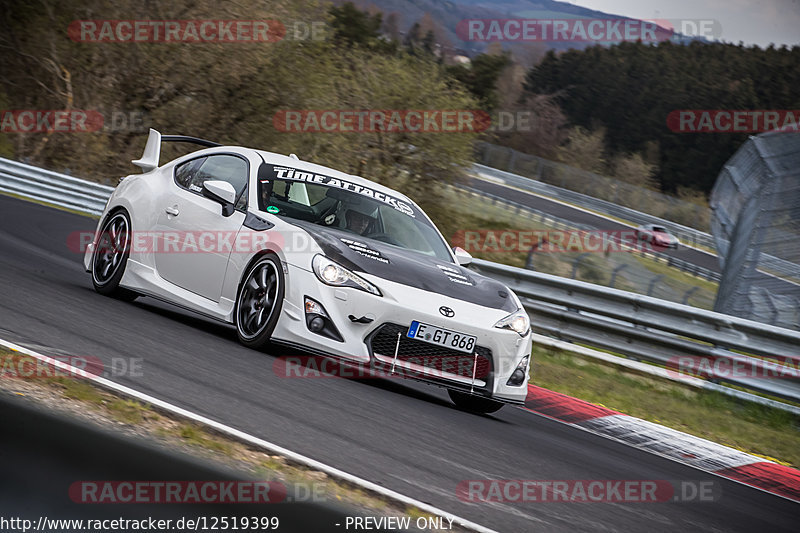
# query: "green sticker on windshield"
272 209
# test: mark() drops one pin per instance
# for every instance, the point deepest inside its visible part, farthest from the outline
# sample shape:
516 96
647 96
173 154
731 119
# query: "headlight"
517 321
332 273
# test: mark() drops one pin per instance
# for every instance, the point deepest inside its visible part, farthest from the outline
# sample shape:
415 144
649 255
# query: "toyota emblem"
446 311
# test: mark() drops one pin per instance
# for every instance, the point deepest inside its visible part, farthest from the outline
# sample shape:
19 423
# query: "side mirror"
222 192
462 256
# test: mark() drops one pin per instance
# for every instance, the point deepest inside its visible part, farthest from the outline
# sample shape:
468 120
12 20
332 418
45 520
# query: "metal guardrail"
561 223
536 214
638 326
685 234
52 187
656 330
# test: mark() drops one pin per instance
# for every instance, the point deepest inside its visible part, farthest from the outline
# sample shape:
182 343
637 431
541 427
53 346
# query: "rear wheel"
258 305
475 404
111 256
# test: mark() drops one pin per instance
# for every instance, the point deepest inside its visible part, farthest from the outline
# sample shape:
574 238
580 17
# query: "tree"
354 27
584 149
633 169
480 77
229 93
539 128
631 88
391 26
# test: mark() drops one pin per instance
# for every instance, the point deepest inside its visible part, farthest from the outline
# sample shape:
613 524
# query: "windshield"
335 203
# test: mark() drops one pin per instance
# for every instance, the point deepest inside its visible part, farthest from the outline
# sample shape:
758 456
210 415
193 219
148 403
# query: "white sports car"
299 254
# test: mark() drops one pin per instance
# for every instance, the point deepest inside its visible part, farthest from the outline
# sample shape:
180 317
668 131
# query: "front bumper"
485 372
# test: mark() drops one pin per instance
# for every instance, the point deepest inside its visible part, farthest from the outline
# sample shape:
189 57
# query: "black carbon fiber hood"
409 268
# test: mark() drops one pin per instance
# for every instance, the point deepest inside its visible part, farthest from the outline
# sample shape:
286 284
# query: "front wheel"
258 305
111 256
475 404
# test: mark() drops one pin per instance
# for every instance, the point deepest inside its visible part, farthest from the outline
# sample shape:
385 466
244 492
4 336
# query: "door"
195 238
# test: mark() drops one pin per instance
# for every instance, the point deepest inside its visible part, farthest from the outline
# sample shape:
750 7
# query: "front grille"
384 340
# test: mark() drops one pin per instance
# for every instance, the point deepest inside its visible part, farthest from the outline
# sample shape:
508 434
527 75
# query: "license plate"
442 337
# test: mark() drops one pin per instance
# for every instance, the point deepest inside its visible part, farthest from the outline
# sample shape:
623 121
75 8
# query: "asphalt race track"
572 214
402 435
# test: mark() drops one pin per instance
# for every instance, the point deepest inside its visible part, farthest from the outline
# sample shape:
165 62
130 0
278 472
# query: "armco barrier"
52 187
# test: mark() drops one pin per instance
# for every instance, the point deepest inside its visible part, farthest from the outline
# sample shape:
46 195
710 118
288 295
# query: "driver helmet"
360 216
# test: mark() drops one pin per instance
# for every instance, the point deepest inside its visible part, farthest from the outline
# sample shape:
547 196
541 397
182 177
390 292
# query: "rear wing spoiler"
152 150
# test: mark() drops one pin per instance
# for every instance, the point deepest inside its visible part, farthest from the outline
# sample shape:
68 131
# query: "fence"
756 203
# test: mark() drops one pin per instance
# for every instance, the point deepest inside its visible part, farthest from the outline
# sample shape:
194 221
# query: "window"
409 233
185 171
354 213
192 174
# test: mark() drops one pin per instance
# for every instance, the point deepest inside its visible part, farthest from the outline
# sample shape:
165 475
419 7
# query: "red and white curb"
693 451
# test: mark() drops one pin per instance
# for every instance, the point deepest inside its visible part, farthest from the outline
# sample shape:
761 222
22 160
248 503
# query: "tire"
111 257
259 302
474 404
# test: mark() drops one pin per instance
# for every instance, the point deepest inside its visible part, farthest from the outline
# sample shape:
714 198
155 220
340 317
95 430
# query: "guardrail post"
529 259
577 263
512 160
772 307
614 274
653 282
688 294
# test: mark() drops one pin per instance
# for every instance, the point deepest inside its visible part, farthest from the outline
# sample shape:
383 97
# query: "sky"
759 22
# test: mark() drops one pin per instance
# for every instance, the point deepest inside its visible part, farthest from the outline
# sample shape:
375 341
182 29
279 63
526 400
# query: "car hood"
409 268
